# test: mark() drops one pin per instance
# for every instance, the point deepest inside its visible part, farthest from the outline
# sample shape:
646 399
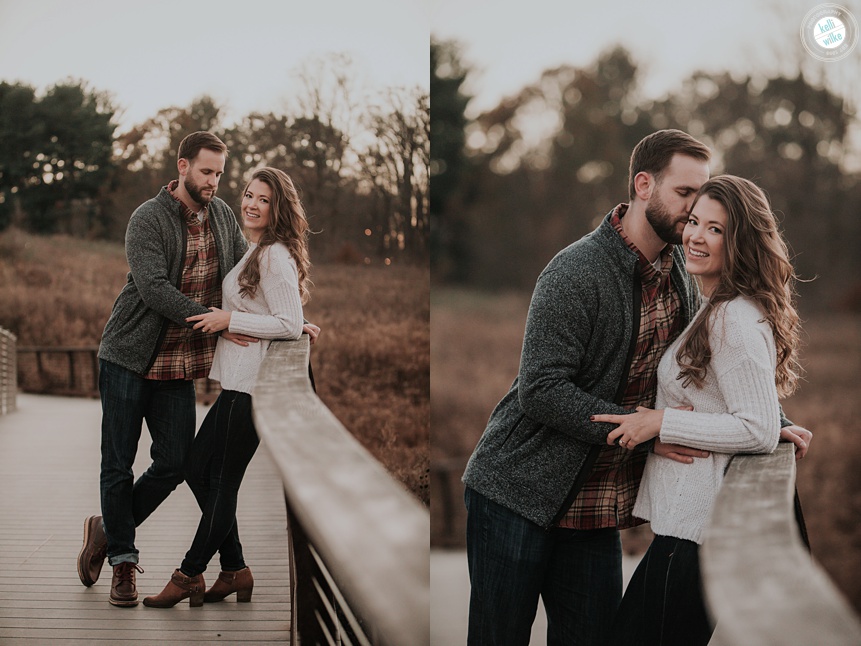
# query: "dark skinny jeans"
167 406
222 449
663 604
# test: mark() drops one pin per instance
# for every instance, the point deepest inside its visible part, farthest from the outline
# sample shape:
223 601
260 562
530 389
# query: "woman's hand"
799 436
215 320
634 428
312 331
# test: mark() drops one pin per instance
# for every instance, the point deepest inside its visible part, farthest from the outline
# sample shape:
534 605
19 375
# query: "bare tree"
326 109
396 166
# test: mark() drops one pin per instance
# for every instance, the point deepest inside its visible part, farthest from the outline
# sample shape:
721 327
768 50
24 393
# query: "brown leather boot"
124 592
92 556
241 582
178 588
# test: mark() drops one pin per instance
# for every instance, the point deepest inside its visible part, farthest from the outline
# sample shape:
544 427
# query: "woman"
262 297
735 359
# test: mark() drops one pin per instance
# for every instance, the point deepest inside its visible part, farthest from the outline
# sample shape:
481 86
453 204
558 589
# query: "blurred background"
95 97
536 109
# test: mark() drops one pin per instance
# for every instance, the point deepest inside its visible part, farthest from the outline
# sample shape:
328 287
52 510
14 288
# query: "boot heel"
196 599
244 596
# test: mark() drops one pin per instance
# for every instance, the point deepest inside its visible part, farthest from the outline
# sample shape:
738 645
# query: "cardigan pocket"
514 427
522 436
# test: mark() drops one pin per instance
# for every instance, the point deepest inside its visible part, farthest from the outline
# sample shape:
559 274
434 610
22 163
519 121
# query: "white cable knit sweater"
736 411
275 312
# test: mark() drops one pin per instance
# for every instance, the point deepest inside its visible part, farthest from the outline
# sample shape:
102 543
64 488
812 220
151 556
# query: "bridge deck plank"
49 475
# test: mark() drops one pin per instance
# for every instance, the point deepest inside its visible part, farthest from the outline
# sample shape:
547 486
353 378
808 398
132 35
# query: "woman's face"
703 241
255 208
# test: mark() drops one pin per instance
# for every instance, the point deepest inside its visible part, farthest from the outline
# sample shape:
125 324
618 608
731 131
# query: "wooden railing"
61 370
58 370
8 371
761 585
359 541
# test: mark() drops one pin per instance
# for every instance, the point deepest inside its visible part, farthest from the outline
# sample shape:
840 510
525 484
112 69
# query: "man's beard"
663 222
195 192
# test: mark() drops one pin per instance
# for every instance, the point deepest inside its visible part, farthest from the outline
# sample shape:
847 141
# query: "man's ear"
182 165
644 185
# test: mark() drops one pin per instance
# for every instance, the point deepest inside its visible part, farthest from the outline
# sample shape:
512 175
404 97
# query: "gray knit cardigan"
155 248
539 444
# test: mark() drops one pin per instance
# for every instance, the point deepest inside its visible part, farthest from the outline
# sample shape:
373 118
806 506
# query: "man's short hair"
196 141
654 153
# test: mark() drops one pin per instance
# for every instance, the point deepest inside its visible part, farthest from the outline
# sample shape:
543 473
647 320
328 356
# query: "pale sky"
160 53
510 42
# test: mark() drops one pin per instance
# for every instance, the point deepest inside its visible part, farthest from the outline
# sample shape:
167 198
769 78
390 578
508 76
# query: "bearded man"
545 495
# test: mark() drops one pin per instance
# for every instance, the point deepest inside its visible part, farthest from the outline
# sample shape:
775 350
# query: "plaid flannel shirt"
608 496
186 353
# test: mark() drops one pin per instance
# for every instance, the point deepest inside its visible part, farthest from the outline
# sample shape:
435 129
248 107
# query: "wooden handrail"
761 585
56 348
73 384
82 374
371 534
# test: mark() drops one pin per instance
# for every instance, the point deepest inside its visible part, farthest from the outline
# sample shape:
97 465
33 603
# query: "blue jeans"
169 409
663 604
513 562
222 449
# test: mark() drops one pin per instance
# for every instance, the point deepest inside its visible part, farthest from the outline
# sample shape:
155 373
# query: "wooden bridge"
362 579
49 482
49 476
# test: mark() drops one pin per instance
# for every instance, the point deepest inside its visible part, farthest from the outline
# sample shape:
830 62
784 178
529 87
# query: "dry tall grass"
829 479
475 354
58 291
475 350
371 363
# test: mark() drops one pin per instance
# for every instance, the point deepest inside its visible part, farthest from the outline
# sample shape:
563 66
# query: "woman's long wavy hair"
756 265
287 225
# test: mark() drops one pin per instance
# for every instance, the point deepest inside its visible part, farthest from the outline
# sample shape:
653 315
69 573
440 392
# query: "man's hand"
312 331
799 436
678 453
239 339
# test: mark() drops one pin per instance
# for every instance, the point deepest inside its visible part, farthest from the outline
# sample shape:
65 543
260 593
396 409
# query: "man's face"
201 175
670 203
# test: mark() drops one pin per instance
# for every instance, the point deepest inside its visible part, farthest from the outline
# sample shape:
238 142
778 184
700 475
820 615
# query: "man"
179 246
546 497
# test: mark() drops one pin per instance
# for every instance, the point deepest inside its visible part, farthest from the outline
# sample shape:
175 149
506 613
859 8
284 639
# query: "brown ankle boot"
178 588
241 582
123 589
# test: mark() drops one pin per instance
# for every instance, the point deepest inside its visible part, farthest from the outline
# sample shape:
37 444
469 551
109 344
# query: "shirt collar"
190 216
647 269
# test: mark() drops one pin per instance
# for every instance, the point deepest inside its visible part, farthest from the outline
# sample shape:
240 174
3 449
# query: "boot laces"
127 571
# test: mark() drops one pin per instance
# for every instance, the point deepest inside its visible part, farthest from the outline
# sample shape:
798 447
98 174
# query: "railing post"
8 372
40 368
302 607
71 354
